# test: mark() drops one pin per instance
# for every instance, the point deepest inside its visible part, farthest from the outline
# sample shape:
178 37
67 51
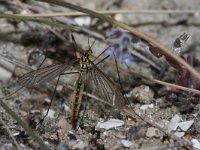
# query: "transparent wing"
109 91
44 74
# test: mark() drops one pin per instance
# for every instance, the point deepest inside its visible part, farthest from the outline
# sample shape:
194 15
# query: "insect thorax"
84 60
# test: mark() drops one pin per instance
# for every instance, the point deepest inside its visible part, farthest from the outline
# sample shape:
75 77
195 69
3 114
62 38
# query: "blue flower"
121 40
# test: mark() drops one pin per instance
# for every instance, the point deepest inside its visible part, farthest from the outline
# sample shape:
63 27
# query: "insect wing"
109 91
48 73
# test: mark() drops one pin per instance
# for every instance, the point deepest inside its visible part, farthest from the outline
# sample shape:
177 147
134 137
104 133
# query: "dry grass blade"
143 36
10 133
107 12
24 125
27 18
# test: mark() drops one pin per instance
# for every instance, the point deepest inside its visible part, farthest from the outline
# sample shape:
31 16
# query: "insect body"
110 93
78 92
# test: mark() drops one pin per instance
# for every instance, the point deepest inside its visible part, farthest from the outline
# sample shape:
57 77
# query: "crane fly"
111 94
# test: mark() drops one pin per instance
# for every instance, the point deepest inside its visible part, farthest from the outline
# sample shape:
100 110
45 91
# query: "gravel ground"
174 111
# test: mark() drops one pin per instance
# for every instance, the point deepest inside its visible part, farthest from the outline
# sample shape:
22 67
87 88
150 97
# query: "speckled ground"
31 103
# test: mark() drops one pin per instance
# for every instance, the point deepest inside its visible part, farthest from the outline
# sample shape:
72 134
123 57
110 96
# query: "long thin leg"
54 96
100 55
122 90
74 44
102 60
92 43
54 92
42 62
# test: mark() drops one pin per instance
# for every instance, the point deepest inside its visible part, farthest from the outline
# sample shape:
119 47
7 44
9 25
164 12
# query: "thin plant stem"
10 133
25 126
141 35
110 12
26 18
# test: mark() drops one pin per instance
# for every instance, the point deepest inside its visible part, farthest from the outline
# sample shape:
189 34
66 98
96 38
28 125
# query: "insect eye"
89 51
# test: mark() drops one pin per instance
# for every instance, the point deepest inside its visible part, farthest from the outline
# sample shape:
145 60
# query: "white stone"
50 113
112 123
176 118
179 134
80 145
185 125
126 143
151 132
196 143
172 126
143 107
83 21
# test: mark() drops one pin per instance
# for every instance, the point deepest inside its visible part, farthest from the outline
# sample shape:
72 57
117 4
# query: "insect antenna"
100 55
75 44
102 60
90 46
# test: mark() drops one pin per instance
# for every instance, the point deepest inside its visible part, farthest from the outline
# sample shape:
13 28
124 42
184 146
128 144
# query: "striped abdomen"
76 103
78 92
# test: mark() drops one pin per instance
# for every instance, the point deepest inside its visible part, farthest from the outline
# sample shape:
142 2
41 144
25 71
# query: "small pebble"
126 143
143 94
144 107
136 132
176 118
151 132
112 123
62 123
25 106
80 145
179 134
72 136
50 113
172 126
5 75
196 143
83 21
174 122
185 125
62 146
46 101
